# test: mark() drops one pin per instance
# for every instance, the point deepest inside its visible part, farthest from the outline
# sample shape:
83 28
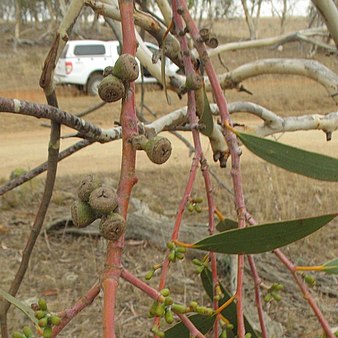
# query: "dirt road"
28 149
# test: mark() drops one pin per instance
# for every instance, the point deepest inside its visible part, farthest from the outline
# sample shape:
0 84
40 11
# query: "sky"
299 7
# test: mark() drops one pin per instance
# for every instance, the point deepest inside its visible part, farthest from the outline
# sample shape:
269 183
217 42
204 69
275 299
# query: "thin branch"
302 67
43 167
302 35
68 314
85 128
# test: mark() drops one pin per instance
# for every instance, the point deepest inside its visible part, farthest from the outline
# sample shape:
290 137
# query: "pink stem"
125 274
257 283
111 275
302 286
233 148
69 314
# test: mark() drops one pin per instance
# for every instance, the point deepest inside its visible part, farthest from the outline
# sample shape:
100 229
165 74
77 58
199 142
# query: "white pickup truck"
82 63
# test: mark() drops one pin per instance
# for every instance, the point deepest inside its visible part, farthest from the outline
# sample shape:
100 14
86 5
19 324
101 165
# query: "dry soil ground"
64 267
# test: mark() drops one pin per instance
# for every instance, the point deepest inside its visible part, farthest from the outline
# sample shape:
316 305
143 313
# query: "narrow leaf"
331 267
20 305
293 159
230 312
264 237
206 120
226 224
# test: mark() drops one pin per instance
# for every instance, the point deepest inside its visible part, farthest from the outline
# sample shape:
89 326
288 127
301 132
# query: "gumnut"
42 304
212 42
55 320
168 316
158 149
103 200
204 33
111 89
27 331
82 214
107 71
87 185
112 226
126 68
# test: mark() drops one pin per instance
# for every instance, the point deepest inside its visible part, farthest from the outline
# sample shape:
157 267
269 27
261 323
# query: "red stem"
111 275
68 314
125 274
302 286
233 148
257 283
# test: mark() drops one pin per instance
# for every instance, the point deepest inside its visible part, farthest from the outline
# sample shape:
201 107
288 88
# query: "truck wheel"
93 84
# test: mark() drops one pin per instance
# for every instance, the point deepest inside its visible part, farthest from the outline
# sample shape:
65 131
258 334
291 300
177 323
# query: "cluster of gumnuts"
46 321
115 82
95 201
165 307
195 204
274 293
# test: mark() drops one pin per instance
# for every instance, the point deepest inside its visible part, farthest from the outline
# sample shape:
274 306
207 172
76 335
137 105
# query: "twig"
52 113
233 148
257 283
43 167
68 314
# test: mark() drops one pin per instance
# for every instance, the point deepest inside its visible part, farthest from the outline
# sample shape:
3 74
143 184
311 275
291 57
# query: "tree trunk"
249 21
329 12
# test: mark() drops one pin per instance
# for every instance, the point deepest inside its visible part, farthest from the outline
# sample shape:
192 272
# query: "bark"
249 21
329 12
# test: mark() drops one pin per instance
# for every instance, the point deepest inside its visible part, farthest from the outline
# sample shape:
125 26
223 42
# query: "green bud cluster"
176 252
46 319
200 265
194 205
274 293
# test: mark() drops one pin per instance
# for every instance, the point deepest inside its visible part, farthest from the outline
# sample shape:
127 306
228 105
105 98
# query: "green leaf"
263 237
206 121
331 267
230 312
296 160
226 224
20 305
203 324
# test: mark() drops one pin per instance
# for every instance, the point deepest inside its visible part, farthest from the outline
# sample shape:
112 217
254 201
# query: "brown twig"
52 113
43 167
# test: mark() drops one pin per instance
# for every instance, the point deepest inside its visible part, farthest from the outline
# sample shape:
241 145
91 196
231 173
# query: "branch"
329 12
145 21
55 114
42 167
273 123
302 35
302 67
68 314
